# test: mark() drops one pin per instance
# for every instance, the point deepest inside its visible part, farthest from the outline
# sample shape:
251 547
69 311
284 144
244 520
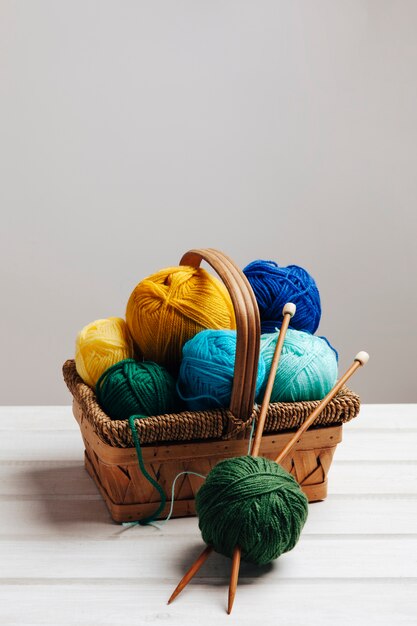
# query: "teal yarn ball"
253 503
136 388
307 368
207 368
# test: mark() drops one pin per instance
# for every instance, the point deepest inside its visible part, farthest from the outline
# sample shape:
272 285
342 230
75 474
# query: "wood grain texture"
56 516
103 603
64 561
153 556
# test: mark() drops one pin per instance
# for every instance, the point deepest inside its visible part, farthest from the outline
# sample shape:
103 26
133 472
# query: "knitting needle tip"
175 593
233 578
190 573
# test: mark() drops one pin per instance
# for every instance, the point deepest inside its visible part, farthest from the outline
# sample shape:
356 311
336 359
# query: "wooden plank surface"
152 556
381 602
63 561
69 517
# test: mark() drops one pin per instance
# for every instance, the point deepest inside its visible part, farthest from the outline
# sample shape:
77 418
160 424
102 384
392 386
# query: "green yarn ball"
136 388
254 503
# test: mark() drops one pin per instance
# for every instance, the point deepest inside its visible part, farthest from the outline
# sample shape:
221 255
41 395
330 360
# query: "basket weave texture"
202 425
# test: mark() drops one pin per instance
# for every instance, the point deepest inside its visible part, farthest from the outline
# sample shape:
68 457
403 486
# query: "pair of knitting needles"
360 359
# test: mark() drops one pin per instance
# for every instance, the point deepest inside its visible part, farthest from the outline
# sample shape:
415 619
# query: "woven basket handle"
247 324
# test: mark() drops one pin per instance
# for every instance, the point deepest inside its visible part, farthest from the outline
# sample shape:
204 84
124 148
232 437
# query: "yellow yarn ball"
168 308
100 345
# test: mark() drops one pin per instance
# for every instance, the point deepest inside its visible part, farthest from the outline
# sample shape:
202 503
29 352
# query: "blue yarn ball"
274 286
307 368
207 368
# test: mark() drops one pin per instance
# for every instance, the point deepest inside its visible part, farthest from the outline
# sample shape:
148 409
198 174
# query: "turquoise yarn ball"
307 368
136 388
207 368
254 503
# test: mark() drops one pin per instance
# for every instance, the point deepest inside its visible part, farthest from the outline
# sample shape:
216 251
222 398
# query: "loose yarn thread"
174 482
274 286
247 501
154 483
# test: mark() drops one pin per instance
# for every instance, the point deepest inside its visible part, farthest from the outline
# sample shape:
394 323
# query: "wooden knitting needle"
360 359
191 573
288 312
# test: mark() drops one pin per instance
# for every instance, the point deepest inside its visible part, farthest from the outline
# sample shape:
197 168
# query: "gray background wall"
132 131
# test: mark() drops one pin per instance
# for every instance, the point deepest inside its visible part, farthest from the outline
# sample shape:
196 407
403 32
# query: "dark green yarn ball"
254 503
136 388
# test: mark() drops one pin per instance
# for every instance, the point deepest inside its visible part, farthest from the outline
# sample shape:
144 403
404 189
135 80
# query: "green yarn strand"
155 514
131 389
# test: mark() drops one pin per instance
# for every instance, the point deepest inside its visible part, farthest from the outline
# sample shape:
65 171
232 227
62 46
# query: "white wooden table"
63 561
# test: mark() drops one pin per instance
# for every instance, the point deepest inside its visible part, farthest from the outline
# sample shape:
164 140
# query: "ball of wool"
168 308
307 367
274 286
136 388
206 374
253 503
100 345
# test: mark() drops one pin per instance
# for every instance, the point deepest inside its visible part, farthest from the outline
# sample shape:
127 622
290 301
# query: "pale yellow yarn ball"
100 345
168 308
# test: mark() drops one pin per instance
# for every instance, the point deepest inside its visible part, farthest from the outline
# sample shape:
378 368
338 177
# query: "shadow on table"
216 569
66 497
216 573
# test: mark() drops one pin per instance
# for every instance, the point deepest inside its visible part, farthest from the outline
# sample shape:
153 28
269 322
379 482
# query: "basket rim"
196 426
192 450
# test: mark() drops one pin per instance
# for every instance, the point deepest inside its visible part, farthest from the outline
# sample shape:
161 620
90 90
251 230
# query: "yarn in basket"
273 286
100 345
168 308
307 367
206 374
251 502
136 388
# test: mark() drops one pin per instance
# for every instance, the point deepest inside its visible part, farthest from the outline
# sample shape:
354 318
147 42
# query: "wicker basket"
196 441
